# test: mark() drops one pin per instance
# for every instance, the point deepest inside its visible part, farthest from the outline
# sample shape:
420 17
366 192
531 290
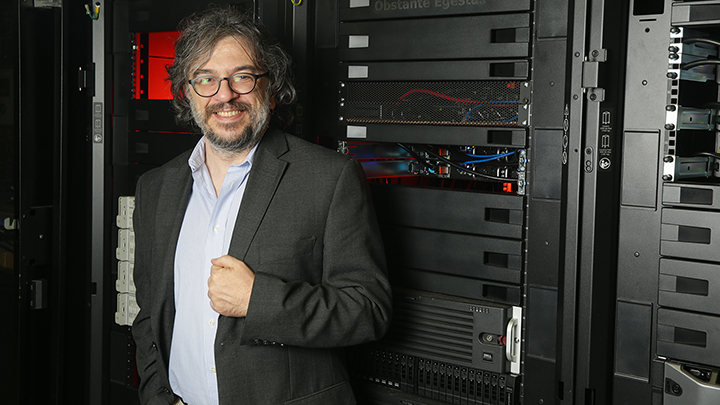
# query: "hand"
229 286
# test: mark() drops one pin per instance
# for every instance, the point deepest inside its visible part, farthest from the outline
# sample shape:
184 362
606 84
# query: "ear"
272 101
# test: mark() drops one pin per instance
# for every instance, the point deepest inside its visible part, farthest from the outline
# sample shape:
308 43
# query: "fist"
229 286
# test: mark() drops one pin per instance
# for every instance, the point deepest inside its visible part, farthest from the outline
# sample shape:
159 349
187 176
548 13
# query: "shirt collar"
197 157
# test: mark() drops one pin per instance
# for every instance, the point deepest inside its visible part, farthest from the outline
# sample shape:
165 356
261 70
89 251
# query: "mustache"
233 105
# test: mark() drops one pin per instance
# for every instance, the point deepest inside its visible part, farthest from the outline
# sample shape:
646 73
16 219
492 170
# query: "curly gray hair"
202 31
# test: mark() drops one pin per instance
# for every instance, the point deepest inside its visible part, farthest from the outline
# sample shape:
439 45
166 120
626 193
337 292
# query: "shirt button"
212 323
217 228
212 369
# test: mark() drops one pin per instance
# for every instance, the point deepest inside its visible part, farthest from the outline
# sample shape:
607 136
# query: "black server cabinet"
418 91
595 101
667 322
44 287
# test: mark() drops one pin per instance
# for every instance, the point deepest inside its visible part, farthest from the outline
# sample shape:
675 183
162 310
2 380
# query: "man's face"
231 122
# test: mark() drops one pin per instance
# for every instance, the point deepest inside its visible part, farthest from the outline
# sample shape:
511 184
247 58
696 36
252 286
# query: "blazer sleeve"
154 386
352 305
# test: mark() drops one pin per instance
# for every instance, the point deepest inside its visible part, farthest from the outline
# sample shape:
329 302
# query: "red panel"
158 85
151 59
162 44
161 49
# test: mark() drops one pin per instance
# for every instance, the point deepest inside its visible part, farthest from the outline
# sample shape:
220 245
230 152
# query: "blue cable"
489 158
492 156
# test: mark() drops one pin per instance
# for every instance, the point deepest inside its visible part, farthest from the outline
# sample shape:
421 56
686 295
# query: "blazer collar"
267 170
263 180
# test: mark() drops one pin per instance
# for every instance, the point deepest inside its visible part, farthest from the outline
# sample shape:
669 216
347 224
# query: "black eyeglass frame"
255 77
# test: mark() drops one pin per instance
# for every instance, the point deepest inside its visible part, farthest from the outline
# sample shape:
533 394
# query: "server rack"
43 287
419 90
666 279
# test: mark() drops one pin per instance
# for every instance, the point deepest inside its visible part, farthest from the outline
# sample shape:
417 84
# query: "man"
257 254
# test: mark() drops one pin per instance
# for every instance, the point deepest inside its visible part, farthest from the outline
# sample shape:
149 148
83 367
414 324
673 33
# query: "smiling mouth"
228 113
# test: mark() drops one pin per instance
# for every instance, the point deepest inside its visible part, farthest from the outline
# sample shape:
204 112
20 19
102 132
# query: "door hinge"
591 75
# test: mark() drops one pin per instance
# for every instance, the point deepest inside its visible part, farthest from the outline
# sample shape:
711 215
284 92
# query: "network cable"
700 62
488 158
417 157
455 165
710 154
705 40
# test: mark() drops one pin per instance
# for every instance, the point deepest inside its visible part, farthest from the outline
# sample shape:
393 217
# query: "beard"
240 138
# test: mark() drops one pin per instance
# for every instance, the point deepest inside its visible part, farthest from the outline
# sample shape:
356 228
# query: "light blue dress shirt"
205 234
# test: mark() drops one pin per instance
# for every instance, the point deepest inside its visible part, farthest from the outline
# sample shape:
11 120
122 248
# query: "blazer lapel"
172 203
264 178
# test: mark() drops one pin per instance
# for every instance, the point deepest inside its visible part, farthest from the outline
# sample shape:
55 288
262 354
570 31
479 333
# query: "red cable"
459 100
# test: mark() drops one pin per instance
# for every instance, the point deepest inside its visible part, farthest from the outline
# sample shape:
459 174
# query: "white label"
357 72
359 3
356 132
359 41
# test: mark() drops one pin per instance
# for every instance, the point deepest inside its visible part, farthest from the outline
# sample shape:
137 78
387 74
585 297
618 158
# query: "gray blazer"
307 228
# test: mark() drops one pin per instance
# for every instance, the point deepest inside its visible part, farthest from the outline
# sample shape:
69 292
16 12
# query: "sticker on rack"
604 163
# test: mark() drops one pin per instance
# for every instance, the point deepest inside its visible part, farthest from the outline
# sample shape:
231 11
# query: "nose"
225 93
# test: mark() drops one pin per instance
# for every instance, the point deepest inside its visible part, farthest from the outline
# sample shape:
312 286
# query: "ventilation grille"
472 103
439 333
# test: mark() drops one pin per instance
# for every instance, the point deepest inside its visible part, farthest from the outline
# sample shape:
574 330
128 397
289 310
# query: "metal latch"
86 79
38 294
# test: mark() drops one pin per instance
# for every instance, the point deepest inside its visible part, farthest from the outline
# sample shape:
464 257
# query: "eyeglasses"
240 83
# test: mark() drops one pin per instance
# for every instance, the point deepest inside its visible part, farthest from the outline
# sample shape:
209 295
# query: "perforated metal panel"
468 103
